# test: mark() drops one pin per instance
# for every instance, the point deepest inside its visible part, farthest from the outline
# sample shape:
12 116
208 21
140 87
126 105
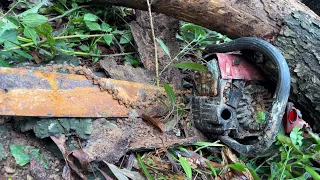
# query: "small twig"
174 166
154 42
67 12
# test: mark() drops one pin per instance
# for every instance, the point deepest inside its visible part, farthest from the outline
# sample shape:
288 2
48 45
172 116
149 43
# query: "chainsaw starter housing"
234 101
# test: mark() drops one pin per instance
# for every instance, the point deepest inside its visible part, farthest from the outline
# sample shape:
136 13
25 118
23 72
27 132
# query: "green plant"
294 159
202 145
186 167
23 155
32 35
176 109
143 166
191 33
194 37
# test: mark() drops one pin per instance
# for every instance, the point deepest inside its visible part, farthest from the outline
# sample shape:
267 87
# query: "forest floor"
116 42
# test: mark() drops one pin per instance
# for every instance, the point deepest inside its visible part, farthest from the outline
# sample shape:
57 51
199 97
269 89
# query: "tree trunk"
288 24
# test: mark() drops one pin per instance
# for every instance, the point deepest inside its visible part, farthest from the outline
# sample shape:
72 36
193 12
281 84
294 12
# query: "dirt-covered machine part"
234 102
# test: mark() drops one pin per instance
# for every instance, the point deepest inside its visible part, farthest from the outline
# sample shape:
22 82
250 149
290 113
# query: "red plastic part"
235 67
291 119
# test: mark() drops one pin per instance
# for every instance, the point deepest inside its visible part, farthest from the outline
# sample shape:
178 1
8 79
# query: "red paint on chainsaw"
236 67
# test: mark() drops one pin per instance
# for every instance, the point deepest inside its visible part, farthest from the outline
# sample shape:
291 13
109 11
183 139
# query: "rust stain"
76 102
55 95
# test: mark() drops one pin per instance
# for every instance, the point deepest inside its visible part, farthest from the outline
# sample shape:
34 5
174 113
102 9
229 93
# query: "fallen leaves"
154 121
69 159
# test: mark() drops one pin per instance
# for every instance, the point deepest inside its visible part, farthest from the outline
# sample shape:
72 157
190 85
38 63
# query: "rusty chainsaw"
232 100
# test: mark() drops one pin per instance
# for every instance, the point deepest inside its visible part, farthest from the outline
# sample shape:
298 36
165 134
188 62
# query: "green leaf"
208 144
143 167
274 169
284 139
19 154
190 65
32 10
312 172
253 172
186 166
296 136
8 35
237 166
44 29
90 17
106 27
134 62
93 26
108 39
212 169
30 33
23 54
126 38
84 48
6 24
34 20
170 93
4 63
14 20
261 117
164 47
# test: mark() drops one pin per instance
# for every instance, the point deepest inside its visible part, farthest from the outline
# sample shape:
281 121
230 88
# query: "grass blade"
164 47
170 93
186 166
144 169
212 169
190 65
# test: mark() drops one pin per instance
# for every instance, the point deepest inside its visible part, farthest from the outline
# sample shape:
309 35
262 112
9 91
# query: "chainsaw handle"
280 96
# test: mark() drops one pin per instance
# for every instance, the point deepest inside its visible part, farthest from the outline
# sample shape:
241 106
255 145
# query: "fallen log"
289 25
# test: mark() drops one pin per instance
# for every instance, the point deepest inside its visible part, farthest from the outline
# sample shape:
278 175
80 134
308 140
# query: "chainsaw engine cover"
231 99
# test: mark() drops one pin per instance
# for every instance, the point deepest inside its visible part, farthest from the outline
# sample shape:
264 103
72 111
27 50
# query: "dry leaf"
154 121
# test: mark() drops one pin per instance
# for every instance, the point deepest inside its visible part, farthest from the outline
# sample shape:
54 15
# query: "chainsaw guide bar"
49 94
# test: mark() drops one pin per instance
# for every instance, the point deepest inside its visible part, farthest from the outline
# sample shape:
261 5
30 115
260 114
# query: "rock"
29 177
9 169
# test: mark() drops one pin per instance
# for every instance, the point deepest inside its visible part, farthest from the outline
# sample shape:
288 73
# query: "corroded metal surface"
35 93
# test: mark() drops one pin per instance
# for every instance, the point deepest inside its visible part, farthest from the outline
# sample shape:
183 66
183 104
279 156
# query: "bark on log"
288 24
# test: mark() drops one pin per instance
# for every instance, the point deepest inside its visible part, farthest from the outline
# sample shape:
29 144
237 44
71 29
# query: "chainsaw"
232 100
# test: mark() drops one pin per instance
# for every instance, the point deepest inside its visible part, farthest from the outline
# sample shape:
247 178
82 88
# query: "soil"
8 167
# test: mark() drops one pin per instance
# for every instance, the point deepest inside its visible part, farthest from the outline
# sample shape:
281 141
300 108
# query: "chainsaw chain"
152 100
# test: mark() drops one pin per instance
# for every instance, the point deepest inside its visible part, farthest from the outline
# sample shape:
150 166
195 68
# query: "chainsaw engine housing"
231 99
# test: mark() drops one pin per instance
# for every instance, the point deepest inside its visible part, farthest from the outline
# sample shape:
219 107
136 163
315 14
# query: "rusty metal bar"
49 94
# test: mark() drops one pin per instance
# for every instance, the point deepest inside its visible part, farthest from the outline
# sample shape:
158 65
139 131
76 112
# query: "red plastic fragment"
292 118
234 66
